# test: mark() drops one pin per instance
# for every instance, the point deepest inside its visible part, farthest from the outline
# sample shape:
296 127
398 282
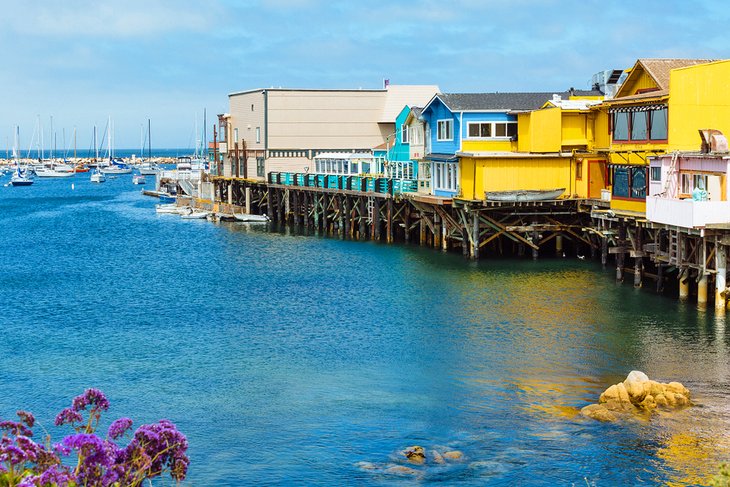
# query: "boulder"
678 388
637 394
415 454
453 455
437 457
598 412
400 470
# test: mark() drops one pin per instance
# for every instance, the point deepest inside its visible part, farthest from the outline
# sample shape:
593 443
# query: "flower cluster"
155 449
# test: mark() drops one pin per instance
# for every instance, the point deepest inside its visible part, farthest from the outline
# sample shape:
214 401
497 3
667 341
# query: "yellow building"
658 108
553 150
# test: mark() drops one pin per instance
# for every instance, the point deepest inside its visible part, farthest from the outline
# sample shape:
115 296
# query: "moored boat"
138 179
21 178
194 214
97 177
524 195
244 217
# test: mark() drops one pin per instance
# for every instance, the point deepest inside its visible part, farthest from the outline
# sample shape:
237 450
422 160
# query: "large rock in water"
637 394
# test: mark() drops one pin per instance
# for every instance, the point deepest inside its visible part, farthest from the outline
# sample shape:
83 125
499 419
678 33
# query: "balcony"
687 213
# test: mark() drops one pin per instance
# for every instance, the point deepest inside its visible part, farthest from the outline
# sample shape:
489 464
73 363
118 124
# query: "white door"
714 188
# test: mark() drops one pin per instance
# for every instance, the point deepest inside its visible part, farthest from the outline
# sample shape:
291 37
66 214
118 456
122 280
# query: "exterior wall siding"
435 112
700 99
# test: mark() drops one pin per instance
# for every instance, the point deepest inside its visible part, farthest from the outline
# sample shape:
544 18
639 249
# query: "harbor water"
303 360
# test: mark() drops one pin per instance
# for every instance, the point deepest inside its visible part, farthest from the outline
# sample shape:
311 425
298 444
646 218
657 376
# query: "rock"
649 403
366 466
400 470
634 384
677 388
598 412
653 388
415 454
636 376
610 394
437 458
681 400
453 455
661 400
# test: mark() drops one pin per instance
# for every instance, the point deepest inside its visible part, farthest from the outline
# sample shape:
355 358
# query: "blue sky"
82 61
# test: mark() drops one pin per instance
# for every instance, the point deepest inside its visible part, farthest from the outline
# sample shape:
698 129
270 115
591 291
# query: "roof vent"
556 97
713 141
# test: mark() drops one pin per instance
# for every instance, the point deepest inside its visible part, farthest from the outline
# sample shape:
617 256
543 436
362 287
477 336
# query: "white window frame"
404 139
448 122
258 135
493 130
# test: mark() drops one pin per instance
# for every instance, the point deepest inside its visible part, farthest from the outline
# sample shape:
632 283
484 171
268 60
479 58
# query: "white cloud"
114 19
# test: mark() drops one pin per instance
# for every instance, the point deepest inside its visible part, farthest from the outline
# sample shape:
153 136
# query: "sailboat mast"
74 144
205 134
96 147
149 139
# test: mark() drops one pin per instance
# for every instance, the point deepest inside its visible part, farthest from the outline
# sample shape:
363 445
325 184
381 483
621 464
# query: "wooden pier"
648 251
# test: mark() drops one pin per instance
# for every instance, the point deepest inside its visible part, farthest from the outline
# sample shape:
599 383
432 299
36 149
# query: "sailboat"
54 170
96 175
148 168
20 178
115 166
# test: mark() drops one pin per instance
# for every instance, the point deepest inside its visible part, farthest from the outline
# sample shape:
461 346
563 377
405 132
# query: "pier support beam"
702 291
559 246
638 272
721 266
248 200
683 286
604 251
535 240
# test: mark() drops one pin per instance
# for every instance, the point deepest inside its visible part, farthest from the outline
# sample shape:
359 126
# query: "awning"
636 108
442 157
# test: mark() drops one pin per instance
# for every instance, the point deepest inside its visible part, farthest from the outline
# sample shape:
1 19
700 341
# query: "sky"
82 62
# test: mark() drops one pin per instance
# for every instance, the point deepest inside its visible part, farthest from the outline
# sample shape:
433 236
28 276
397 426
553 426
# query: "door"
714 188
596 178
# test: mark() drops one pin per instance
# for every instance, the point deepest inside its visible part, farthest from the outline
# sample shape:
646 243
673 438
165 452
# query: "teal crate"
299 178
287 178
320 180
274 177
370 185
333 182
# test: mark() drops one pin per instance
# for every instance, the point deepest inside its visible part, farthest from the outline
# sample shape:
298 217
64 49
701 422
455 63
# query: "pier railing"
364 184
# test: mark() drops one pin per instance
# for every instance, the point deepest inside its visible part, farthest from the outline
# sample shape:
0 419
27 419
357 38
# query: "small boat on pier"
524 195
245 217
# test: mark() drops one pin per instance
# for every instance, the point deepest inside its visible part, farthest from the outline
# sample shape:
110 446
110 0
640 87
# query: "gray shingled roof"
416 111
505 101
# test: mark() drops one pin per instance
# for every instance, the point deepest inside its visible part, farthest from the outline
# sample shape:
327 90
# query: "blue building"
473 122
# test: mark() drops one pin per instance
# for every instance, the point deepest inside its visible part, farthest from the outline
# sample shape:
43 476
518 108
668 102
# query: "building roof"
398 96
582 104
659 69
463 102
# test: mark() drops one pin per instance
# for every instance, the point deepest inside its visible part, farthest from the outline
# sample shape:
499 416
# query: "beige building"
280 129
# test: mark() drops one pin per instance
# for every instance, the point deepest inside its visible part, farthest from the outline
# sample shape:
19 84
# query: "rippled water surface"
289 359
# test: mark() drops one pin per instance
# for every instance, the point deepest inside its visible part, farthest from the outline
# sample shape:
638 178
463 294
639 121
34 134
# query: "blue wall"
400 151
438 111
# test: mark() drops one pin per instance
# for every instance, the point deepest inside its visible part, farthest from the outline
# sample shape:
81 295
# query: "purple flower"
27 418
57 476
159 446
93 397
119 427
68 416
15 428
13 455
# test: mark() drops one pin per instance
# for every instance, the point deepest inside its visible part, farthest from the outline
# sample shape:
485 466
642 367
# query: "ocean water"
298 360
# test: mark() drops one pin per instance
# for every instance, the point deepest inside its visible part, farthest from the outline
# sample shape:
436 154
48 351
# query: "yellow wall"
575 128
488 145
602 137
635 82
636 206
511 173
699 99
542 133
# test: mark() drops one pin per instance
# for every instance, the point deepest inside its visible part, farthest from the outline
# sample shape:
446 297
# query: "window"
638 182
260 167
621 126
445 176
621 182
251 106
445 130
629 182
258 135
479 129
640 125
658 124
403 134
235 134
579 170
485 130
655 174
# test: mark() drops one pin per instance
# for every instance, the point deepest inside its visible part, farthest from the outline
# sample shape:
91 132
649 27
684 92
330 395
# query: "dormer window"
445 130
